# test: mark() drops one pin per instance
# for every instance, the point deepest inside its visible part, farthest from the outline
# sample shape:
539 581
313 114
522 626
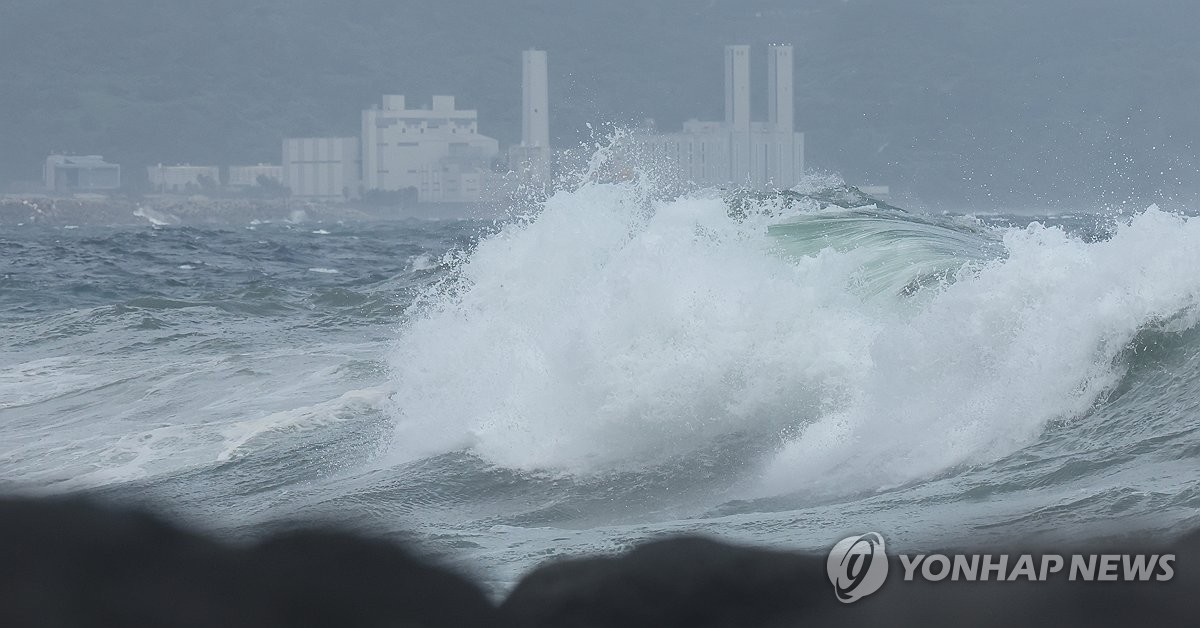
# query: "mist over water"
622 363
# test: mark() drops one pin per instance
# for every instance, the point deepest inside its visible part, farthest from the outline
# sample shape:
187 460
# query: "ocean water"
615 366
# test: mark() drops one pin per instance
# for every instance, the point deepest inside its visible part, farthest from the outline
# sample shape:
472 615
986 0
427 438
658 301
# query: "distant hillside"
955 101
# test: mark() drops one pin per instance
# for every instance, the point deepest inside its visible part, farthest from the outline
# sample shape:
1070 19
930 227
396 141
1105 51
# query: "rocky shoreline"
73 562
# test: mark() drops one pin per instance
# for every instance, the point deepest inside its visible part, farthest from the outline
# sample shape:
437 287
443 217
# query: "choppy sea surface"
617 367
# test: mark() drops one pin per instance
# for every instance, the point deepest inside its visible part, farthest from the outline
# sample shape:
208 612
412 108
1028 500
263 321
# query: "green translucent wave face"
896 253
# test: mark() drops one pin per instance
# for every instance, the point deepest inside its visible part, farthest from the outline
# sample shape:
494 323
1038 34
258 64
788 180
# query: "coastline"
18 211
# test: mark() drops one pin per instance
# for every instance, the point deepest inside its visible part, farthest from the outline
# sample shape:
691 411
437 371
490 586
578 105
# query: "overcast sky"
952 102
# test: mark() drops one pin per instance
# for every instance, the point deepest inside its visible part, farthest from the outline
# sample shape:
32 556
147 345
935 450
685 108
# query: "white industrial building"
737 151
183 178
531 159
438 151
322 168
248 176
87 173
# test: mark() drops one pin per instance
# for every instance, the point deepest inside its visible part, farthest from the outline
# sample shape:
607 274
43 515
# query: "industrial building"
738 151
322 168
531 159
87 173
435 152
183 179
438 151
248 176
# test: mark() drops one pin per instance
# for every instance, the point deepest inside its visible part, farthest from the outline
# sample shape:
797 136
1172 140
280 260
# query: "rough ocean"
617 366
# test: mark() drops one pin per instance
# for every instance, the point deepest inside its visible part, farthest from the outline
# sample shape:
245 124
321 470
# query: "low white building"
322 168
248 176
183 179
737 151
87 173
437 151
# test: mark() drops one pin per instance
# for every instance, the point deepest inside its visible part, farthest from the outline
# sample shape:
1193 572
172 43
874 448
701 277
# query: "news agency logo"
857 566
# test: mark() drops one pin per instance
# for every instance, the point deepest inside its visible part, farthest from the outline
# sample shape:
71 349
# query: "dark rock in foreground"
690 582
71 563
74 563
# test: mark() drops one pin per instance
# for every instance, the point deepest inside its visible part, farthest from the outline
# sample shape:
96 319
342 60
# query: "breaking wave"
839 348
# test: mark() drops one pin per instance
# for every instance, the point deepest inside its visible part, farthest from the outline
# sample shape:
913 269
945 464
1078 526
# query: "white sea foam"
422 262
615 330
610 331
156 218
237 435
980 369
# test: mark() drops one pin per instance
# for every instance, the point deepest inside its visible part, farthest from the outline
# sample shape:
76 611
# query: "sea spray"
609 332
980 369
615 330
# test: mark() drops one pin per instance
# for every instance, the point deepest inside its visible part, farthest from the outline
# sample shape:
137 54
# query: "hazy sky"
952 102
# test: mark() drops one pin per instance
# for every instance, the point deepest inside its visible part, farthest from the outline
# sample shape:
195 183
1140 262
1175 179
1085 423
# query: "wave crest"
856 348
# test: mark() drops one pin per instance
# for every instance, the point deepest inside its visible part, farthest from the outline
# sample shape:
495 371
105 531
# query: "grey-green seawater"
606 374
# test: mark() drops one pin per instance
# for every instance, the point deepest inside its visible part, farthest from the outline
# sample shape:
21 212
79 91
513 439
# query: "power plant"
437 154
738 151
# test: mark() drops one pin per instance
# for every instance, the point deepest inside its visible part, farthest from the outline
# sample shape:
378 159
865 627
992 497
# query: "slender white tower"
737 88
783 163
737 113
531 160
535 99
780 100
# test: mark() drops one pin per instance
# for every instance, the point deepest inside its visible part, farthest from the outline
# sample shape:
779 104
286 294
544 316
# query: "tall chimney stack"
780 100
535 99
737 87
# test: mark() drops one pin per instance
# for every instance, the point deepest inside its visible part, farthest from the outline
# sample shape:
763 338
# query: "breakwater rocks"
80 563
